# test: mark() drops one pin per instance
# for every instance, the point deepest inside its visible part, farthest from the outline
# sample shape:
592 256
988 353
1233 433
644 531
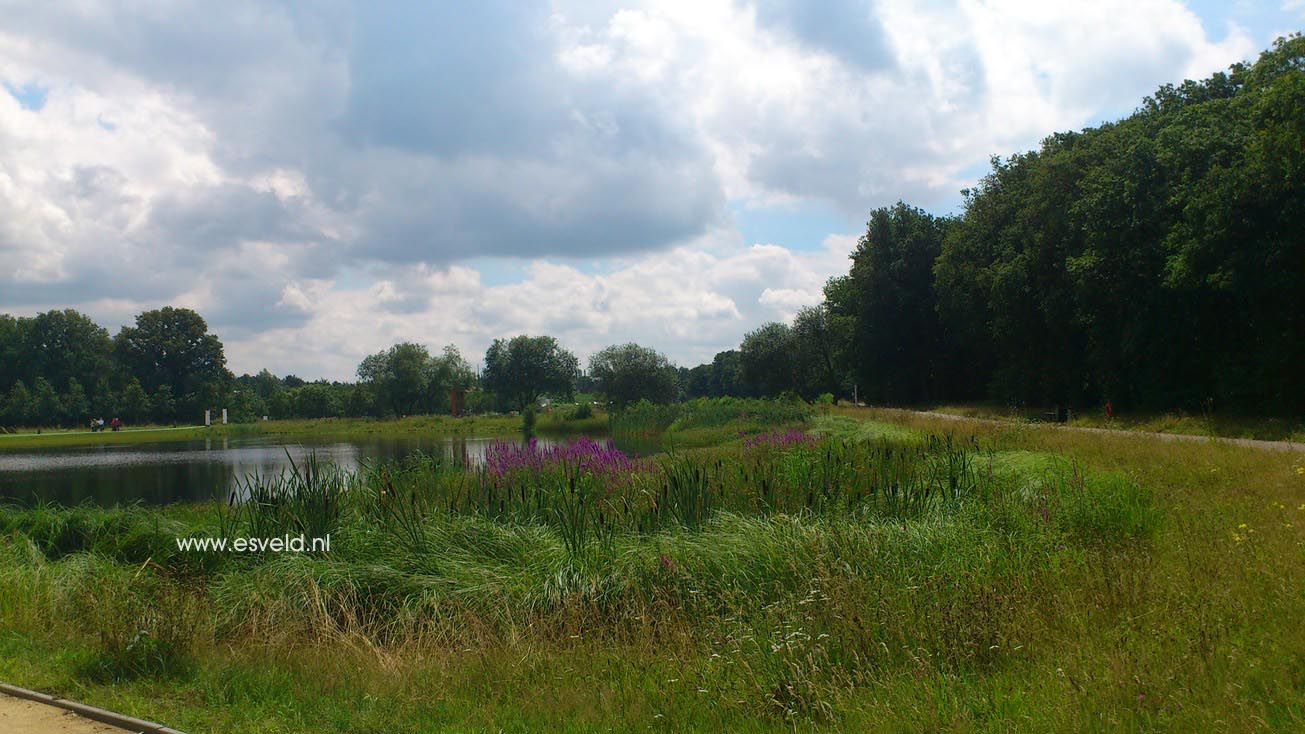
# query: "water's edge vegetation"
827 569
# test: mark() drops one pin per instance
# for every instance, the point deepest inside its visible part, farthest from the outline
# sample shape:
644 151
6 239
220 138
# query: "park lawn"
1171 601
1221 426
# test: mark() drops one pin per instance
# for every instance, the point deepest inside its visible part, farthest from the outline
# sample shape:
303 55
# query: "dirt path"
1249 442
19 716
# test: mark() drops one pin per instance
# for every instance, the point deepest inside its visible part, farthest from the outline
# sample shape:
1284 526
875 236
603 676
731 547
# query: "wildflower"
1241 526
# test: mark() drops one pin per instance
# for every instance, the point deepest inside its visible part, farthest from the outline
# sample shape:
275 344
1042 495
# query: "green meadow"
845 570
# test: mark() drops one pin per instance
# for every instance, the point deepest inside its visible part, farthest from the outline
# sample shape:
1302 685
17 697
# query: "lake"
195 470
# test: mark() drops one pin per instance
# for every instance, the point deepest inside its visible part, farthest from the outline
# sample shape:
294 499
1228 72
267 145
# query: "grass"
1072 582
1217 425
557 422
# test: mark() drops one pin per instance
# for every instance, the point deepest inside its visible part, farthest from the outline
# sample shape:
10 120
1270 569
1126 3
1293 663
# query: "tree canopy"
521 369
627 373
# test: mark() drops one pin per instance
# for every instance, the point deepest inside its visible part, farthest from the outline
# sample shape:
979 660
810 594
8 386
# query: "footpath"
1248 442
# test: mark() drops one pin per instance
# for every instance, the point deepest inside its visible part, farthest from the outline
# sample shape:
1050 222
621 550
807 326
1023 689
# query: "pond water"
194 470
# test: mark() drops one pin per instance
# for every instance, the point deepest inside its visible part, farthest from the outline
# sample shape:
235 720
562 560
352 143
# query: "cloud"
315 179
689 302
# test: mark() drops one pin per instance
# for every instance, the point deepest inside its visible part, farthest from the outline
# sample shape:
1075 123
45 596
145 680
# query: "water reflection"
182 471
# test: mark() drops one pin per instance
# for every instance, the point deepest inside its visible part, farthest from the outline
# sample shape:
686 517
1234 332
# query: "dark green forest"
1157 262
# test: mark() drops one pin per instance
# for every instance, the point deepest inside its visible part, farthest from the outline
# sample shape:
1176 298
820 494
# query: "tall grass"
645 418
306 499
782 573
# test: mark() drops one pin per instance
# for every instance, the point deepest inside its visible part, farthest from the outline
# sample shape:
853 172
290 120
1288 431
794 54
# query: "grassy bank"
985 579
550 423
1220 426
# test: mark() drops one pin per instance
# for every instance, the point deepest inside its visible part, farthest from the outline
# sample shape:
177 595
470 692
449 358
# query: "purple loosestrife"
590 456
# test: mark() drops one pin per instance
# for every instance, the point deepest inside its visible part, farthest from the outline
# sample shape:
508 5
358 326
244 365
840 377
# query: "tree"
246 405
887 299
523 368
17 405
316 400
817 348
163 407
61 345
406 379
697 383
171 347
627 373
360 401
135 404
401 377
727 375
767 359
75 406
46 407
266 384
104 399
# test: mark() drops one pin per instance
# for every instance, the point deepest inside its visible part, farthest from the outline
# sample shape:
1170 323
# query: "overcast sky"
321 183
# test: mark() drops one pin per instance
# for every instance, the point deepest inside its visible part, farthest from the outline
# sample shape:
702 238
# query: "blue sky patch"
30 95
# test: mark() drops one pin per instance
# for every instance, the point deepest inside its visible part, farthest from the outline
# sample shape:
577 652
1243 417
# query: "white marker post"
224 416
207 421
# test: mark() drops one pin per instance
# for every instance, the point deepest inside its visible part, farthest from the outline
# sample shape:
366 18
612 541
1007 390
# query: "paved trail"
19 716
1250 442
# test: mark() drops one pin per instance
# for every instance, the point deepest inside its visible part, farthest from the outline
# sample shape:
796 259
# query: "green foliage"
17 405
407 380
1079 272
171 348
76 406
768 359
646 418
307 499
522 369
528 417
134 402
887 299
628 373
163 406
46 406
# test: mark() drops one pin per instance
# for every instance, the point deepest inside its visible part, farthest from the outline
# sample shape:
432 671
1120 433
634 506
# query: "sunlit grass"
1097 582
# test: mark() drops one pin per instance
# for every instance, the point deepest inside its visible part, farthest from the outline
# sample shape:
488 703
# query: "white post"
207 422
224 416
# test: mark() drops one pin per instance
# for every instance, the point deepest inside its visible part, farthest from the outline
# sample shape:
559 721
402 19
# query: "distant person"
92 425
115 424
1110 410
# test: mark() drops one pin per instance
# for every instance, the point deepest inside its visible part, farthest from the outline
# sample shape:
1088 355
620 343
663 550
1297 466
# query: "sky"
321 181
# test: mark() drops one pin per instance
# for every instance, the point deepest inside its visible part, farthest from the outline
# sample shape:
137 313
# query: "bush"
583 411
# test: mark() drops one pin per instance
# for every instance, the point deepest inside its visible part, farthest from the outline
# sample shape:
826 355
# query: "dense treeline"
1156 262
61 368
